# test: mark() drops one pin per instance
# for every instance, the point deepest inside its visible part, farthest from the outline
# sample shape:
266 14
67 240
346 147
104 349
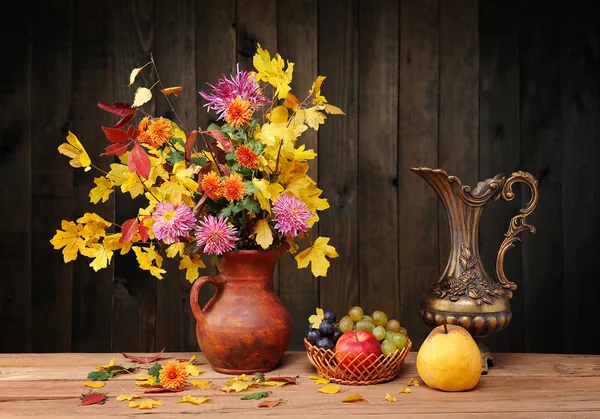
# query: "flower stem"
164 94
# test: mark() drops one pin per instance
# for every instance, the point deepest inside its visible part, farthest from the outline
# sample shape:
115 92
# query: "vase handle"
198 283
517 224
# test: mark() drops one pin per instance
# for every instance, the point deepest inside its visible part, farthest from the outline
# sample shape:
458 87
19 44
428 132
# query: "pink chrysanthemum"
172 221
241 84
216 236
291 215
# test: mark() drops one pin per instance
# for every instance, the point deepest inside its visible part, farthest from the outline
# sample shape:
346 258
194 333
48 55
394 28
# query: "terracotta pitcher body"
465 294
244 328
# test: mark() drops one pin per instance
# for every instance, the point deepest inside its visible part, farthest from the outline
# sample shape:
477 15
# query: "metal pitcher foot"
487 361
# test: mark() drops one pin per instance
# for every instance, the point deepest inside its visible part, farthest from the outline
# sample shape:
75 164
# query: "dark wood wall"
474 87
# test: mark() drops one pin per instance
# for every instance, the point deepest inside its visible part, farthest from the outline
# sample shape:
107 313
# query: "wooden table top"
519 386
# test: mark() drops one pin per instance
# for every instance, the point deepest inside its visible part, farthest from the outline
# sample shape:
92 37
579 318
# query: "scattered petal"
413 382
354 398
193 400
404 390
330 389
94 384
390 398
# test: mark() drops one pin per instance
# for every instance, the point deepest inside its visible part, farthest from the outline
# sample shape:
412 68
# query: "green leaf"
229 210
259 376
250 189
155 370
256 396
213 127
230 156
249 204
175 156
100 375
199 161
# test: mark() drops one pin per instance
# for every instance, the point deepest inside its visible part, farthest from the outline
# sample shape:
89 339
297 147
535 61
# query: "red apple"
355 346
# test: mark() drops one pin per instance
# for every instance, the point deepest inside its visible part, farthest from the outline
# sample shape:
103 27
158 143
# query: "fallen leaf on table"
141 377
257 396
237 386
144 359
94 384
164 390
413 382
353 399
258 376
92 398
193 370
390 398
154 370
105 367
242 377
149 382
273 383
100 375
146 403
404 390
330 389
123 397
291 380
270 403
317 379
193 400
203 384
316 319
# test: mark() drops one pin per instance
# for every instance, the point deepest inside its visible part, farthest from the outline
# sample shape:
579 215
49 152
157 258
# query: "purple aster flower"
241 84
216 236
291 215
172 221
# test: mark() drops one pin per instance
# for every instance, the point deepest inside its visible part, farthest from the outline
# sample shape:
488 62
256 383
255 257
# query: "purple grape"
325 343
336 335
329 315
326 329
313 336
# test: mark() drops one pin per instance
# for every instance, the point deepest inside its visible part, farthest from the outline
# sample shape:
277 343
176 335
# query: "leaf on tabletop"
146 403
193 370
258 376
129 397
94 384
286 379
353 398
154 370
164 390
390 398
142 95
100 375
203 384
316 319
138 161
172 90
107 366
330 389
257 396
270 403
413 382
151 381
273 383
242 377
193 400
404 390
317 379
92 397
128 230
237 386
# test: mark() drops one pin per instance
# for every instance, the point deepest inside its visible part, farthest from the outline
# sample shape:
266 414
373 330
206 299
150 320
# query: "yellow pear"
449 359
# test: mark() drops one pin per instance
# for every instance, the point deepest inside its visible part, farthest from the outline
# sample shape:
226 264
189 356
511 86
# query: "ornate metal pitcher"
465 294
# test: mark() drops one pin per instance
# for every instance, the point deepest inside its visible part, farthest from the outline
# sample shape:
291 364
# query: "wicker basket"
371 370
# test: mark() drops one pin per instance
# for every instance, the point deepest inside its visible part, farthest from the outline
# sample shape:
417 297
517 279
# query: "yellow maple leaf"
149 381
142 95
202 384
279 115
267 192
242 377
316 319
404 390
413 382
107 366
317 379
333 110
330 389
193 400
112 242
191 369
94 384
263 233
94 225
132 185
73 149
100 254
318 99
271 71
272 134
103 189
316 256
146 403
123 397
69 238
301 155
145 257
175 249
313 118
273 383
191 266
390 398
172 192
237 386
353 398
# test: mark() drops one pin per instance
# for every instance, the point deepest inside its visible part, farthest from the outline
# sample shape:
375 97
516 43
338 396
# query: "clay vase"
244 328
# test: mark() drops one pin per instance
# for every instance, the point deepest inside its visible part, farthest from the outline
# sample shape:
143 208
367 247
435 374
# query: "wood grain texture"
540 148
378 157
52 194
520 386
134 318
338 146
15 182
92 81
499 147
297 41
580 109
459 100
175 48
418 205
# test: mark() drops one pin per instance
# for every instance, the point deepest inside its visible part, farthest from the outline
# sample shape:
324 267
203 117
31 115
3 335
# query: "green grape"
379 332
365 325
393 325
379 318
403 331
389 335
367 318
355 313
346 324
399 340
388 347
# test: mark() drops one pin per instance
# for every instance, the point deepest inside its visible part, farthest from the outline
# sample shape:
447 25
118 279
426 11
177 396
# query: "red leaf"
93 398
115 135
138 161
217 152
129 228
221 139
117 149
291 380
164 390
144 359
190 141
224 170
144 232
269 403
133 132
121 109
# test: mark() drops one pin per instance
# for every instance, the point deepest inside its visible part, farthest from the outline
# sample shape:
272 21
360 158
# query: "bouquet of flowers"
246 187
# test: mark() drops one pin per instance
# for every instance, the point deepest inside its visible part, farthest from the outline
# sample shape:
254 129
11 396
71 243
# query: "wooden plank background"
474 87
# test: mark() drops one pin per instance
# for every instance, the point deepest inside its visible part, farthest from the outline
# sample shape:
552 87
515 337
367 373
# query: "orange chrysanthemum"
212 186
238 112
158 132
173 375
143 125
234 188
246 157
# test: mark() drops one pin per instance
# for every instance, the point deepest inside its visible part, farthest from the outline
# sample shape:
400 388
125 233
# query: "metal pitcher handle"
517 224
